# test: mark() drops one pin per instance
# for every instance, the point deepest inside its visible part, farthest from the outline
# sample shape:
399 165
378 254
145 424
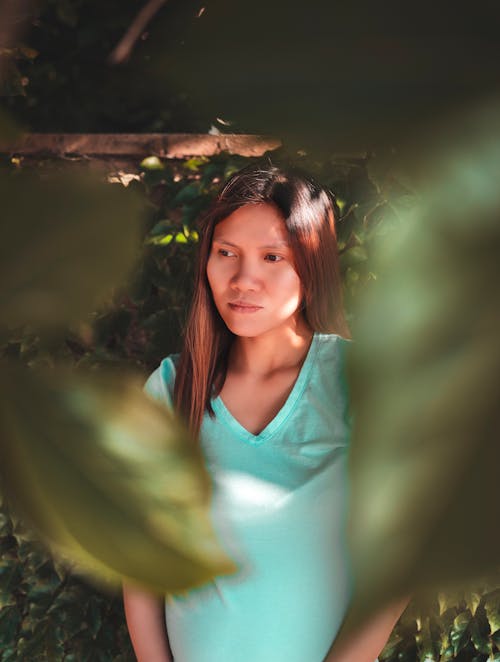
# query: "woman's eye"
271 257
225 252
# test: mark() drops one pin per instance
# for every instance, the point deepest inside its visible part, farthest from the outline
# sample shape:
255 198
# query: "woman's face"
251 272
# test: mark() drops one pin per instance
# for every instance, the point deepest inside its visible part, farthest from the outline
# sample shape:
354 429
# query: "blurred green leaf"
9 129
108 478
425 378
66 12
64 243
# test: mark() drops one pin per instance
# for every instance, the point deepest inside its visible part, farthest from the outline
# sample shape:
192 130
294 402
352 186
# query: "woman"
260 380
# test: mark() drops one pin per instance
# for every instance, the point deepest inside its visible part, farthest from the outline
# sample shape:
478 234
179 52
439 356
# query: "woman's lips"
244 308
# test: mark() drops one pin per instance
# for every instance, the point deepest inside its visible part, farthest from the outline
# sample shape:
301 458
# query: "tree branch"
123 49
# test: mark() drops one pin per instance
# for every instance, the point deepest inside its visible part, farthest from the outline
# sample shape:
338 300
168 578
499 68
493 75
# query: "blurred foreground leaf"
9 129
65 241
107 477
335 76
426 381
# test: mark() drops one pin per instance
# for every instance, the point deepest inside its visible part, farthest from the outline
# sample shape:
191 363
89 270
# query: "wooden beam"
164 145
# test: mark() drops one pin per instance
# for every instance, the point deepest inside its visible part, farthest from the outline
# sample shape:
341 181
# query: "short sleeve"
346 347
160 383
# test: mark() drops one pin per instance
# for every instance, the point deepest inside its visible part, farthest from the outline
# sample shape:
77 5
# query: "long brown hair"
308 212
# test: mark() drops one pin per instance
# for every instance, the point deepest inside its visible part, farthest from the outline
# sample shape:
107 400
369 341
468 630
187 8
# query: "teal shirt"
279 509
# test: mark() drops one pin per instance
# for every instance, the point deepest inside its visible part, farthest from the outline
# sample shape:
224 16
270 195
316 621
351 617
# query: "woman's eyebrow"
277 244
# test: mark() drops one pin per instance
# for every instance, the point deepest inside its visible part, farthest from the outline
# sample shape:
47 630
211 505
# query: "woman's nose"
245 276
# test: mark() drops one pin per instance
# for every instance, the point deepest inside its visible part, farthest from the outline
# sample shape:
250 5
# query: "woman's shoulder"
329 379
332 347
330 364
160 383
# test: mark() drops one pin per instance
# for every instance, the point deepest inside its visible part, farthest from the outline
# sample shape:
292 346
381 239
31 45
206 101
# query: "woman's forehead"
253 222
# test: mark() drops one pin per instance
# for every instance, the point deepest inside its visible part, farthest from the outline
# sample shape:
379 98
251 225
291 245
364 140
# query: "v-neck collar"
225 415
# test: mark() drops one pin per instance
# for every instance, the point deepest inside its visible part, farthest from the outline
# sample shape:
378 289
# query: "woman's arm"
145 614
367 643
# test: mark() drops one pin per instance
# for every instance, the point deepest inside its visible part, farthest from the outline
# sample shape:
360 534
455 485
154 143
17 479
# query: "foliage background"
58 81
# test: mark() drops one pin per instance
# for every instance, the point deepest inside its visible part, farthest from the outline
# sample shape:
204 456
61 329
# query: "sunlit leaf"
460 631
152 163
193 164
472 599
492 606
108 478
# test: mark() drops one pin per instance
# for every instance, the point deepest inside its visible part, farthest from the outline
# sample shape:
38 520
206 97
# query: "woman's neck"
269 353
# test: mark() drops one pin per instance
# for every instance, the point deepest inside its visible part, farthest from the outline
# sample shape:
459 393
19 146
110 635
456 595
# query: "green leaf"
152 163
480 634
425 377
9 654
492 607
10 620
446 654
71 618
392 646
187 194
162 227
108 477
460 633
428 650
65 242
353 256
164 240
10 576
94 615
427 656
194 164
472 599
448 600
